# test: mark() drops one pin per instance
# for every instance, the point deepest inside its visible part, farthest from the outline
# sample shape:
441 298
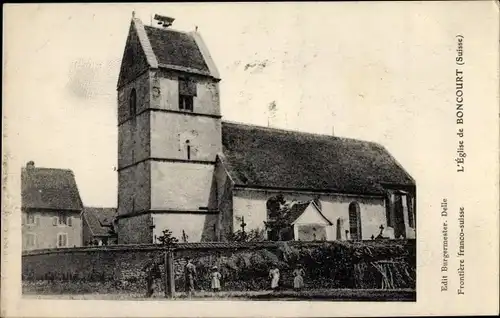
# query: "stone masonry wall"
244 266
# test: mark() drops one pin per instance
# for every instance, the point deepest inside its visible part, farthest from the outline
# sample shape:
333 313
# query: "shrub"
328 265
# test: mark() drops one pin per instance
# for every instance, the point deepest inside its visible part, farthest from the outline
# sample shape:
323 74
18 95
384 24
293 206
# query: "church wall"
182 186
252 205
225 201
135 230
203 133
206 101
198 227
133 188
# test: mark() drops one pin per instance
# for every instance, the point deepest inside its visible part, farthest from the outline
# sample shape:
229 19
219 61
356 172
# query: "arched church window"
355 221
133 103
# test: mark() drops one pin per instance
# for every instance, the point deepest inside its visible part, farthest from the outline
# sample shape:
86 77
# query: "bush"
328 265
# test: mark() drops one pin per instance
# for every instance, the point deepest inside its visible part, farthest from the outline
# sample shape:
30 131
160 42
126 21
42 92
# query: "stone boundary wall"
244 266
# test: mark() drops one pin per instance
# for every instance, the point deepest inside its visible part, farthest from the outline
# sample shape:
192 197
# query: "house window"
62 240
132 103
187 92
30 240
70 221
63 219
355 221
30 219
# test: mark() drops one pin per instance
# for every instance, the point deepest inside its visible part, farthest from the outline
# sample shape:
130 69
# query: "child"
215 276
298 281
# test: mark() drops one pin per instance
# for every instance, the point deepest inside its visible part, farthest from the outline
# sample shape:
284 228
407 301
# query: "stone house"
182 168
98 226
51 208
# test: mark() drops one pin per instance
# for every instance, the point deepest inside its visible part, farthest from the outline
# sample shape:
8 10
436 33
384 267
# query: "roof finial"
196 28
133 14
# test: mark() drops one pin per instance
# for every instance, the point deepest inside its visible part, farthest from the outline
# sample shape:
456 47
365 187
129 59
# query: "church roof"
262 157
99 220
49 188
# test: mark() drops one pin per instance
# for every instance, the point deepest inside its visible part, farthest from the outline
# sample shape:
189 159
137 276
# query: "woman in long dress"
298 280
274 274
216 276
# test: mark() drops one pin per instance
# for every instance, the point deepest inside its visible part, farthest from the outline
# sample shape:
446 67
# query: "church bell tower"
169 133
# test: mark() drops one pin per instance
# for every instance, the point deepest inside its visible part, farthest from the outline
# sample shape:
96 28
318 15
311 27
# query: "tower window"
187 91
133 103
188 148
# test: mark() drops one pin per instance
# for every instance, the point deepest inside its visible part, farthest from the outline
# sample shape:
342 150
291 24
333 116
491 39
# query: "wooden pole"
169 274
165 276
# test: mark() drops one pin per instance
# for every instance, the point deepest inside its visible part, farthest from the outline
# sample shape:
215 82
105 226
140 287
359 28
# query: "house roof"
99 220
48 188
262 157
299 208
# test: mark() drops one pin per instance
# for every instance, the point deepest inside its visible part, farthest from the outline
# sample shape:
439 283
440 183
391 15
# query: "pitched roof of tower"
49 188
164 48
262 157
176 48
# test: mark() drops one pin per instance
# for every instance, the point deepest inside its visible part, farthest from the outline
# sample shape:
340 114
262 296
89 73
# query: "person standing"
274 274
215 276
190 274
153 272
298 280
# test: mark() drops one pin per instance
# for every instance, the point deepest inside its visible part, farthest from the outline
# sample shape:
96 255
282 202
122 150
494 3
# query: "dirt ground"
317 294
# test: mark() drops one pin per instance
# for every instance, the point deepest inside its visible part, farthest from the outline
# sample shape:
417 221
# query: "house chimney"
164 21
333 131
30 164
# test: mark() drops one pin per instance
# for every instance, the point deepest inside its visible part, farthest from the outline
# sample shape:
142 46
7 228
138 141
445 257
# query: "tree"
167 238
277 213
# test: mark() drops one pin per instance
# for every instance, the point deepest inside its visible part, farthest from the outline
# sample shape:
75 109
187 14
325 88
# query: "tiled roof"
176 48
164 48
297 209
47 188
99 220
271 158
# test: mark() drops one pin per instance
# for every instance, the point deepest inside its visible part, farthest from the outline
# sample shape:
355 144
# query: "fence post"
169 274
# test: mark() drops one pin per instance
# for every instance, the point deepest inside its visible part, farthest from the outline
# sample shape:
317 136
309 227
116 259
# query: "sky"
377 71
330 68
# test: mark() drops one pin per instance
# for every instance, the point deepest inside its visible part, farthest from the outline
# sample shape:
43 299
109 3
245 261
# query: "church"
184 169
